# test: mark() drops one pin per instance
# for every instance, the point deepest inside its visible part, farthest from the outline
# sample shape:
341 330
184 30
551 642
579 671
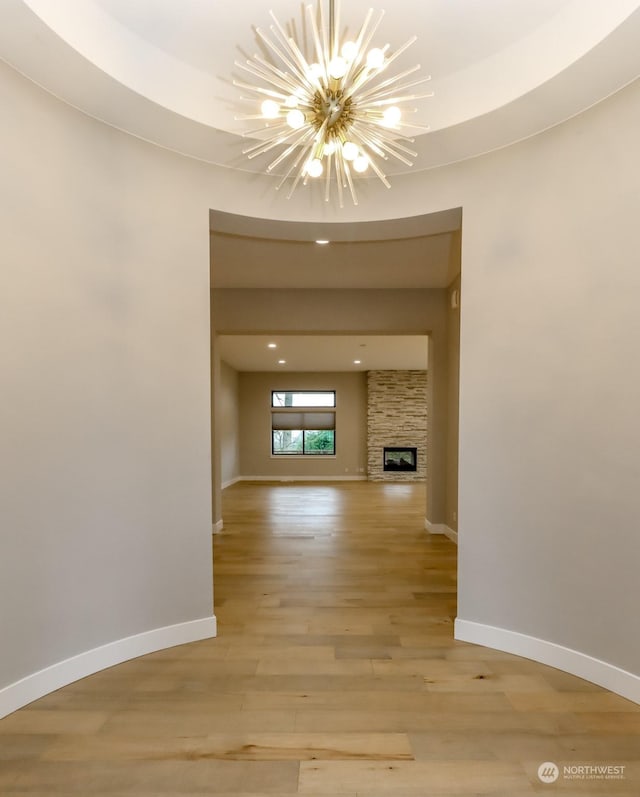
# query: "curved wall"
107 468
549 510
104 462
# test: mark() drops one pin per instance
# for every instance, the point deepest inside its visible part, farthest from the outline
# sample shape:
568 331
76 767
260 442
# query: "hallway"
334 673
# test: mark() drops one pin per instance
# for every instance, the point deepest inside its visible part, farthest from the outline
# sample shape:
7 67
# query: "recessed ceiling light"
272 345
282 362
357 362
322 241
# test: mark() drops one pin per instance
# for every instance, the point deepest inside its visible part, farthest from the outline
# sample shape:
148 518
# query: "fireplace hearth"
403 459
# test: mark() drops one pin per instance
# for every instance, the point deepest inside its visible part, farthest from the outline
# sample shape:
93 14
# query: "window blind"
303 420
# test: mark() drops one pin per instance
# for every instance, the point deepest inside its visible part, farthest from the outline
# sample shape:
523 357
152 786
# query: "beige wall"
229 424
549 506
105 412
350 460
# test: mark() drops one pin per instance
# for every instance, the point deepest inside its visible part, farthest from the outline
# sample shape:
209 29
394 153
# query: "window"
303 398
299 424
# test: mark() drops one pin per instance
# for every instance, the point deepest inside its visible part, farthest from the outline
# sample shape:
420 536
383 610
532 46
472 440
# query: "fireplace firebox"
400 458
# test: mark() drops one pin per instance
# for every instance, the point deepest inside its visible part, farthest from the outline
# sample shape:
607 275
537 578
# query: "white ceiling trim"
79 52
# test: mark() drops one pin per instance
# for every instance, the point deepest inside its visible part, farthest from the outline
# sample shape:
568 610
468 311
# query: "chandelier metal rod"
364 75
379 173
261 148
302 156
294 165
293 67
402 98
339 181
358 47
288 173
283 76
261 130
251 68
400 50
401 125
387 148
334 17
317 85
381 134
288 151
316 38
352 189
327 181
265 146
386 84
325 42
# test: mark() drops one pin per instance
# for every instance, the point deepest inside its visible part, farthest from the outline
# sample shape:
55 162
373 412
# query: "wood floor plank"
590 702
89 777
32 721
230 747
376 701
412 777
165 723
412 721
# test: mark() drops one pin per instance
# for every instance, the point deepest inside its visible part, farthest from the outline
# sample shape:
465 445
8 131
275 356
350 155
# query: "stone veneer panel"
396 416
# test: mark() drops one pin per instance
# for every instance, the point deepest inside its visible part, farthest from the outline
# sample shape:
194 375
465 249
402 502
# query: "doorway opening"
273 287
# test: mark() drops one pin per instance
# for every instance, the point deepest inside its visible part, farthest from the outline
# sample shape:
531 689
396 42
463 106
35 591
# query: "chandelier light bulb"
334 113
270 109
350 151
338 67
315 168
349 50
392 116
375 58
361 164
295 119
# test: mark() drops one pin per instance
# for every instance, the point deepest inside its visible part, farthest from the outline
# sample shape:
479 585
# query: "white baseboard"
41 683
441 528
599 672
303 478
451 534
230 482
218 526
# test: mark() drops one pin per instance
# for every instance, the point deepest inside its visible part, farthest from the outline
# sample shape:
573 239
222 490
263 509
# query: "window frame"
300 410
304 406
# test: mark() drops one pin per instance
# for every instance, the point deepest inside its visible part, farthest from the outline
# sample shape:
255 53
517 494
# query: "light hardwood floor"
334 673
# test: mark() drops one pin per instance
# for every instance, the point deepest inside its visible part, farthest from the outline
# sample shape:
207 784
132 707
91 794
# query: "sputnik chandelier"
332 116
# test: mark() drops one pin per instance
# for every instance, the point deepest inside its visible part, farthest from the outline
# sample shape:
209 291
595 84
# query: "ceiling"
424 262
163 70
408 253
412 253
324 352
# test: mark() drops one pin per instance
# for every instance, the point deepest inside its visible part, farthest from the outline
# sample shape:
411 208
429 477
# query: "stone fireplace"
397 426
